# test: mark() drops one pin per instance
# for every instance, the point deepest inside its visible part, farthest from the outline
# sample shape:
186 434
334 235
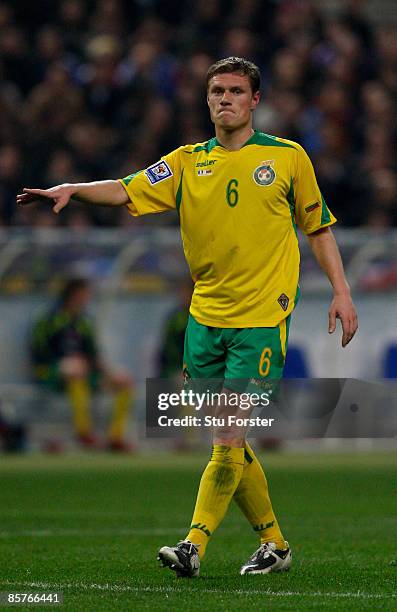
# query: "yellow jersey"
238 216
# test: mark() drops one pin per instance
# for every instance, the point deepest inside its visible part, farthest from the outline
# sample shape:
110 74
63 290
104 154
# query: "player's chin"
228 122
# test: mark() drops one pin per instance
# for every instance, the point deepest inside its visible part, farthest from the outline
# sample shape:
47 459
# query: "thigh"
204 352
258 353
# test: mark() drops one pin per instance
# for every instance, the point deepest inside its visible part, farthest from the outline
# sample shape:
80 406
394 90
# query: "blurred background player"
66 358
171 350
171 355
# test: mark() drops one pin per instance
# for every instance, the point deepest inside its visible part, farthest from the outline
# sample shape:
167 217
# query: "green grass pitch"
90 526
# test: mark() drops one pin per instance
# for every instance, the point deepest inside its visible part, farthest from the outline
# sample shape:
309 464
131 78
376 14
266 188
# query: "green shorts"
252 353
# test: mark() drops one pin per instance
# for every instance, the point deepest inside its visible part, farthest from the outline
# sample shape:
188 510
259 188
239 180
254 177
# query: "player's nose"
225 99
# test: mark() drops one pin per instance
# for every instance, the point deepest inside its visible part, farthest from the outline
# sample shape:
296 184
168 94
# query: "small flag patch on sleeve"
312 207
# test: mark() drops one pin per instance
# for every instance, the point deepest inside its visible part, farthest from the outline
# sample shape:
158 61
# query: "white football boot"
183 559
268 559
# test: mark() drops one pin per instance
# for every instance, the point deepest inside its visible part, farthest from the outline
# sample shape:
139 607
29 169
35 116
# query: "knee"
229 437
74 367
121 381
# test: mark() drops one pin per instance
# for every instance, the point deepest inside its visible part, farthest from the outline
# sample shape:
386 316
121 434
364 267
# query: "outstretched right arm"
100 193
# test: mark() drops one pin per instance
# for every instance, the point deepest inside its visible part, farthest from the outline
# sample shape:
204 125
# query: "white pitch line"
56 513
153 589
45 533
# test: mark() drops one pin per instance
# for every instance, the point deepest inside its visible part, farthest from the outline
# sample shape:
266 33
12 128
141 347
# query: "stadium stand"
103 88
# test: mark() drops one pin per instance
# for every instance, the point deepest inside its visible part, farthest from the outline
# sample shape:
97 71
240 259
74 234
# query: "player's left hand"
342 308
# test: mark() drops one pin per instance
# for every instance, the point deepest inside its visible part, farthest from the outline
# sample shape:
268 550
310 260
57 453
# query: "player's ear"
255 100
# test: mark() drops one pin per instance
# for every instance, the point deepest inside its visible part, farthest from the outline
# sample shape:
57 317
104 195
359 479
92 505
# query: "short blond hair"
236 64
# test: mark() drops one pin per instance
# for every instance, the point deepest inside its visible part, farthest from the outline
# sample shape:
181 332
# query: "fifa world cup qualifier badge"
265 174
158 172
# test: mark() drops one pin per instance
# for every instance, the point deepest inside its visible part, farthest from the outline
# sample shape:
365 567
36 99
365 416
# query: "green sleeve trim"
291 202
325 215
127 180
178 197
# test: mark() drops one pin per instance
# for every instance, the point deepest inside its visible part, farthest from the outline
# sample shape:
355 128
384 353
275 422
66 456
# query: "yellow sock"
121 408
252 496
79 394
217 486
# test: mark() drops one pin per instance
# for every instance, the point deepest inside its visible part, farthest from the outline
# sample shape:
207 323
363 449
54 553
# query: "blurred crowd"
99 89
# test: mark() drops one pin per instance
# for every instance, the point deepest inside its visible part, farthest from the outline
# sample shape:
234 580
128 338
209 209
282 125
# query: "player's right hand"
60 195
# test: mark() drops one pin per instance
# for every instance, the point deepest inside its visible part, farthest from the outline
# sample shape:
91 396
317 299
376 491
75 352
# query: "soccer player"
240 197
66 358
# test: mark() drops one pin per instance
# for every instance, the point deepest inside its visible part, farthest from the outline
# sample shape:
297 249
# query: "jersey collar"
214 142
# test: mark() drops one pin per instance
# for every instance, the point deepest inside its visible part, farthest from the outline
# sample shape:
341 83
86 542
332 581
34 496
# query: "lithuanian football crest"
264 174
